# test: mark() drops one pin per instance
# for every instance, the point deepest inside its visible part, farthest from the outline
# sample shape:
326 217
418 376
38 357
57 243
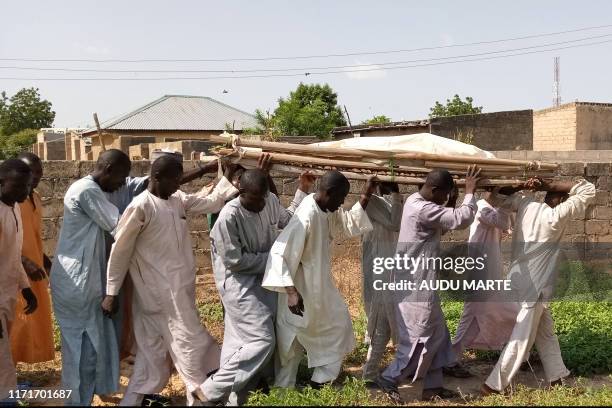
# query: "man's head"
388 187
166 174
333 189
112 168
438 185
554 198
33 161
253 190
15 181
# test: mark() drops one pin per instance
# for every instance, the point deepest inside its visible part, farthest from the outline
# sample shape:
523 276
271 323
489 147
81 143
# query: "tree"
265 125
310 110
12 145
24 110
453 107
377 120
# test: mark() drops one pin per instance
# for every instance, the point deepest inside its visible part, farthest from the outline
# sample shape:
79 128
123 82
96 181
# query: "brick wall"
557 156
509 130
595 227
555 128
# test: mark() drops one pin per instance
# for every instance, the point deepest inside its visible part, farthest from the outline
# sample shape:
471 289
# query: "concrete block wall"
595 227
594 126
508 130
555 128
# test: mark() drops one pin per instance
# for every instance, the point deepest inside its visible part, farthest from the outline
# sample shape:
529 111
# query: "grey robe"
240 242
421 323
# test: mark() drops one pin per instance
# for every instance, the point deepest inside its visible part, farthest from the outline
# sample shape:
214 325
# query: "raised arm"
494 217
581 195
378 211
202 203
306 183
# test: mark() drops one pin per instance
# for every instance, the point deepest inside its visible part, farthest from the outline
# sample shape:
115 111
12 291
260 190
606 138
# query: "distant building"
508 130
572 126
171 118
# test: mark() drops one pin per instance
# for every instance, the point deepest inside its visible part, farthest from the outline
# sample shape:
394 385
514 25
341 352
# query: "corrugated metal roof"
181 112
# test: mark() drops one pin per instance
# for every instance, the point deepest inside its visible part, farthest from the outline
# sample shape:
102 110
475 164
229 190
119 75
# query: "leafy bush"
211 312
12 145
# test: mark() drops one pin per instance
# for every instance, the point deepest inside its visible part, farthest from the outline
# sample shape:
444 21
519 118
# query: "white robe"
13 278
153 242
385 213
301 257
536 247
486 324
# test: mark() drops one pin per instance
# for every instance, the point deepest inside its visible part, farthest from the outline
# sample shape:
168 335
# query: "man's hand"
370 188
264 163
295 301
108 306
307 180
471 179
31 302
33 271
453 196
534 184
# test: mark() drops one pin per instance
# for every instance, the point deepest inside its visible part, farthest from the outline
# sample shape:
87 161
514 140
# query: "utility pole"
556 83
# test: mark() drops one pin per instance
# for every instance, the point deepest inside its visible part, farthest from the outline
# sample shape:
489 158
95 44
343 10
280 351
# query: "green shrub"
211 312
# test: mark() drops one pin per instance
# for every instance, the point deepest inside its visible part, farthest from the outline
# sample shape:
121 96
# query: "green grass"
557 396
211 312
352 393
358 355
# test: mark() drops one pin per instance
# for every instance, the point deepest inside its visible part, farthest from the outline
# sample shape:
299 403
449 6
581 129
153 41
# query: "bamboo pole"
360 153
250 163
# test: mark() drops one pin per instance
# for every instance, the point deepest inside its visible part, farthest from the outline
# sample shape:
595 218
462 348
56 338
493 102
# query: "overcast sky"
154 29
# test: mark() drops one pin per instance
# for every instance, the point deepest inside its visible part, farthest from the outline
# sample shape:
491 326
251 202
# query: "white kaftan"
486 324
536 246
153 242
385 213
13 278
301 257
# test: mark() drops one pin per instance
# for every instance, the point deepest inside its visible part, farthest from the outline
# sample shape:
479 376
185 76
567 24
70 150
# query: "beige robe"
153 242
13 278
301 257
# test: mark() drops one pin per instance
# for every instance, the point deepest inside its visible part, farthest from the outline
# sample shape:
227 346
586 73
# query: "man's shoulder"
83 186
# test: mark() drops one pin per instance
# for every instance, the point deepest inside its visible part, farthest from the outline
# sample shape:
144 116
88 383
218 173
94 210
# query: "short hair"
113 157
440 178
29 156
166 165
254 181
14 166
333 180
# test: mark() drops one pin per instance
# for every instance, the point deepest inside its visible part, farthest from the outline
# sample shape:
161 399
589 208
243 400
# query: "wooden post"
95 115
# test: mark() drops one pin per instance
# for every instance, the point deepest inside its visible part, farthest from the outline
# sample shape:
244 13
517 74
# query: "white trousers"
377 347
534 325
285 375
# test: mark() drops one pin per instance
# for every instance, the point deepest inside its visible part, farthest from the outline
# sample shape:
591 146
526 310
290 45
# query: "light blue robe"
90 358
